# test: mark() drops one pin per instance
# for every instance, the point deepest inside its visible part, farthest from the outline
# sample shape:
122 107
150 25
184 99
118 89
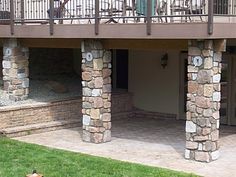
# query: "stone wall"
203 101
13 116
121 102
121 105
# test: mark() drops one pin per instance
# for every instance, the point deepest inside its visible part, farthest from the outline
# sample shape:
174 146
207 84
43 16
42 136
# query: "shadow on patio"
147 141
153 131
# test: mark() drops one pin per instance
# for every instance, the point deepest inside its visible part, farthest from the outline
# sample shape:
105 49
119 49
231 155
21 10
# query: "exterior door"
232 90
228 90
225 83
183 84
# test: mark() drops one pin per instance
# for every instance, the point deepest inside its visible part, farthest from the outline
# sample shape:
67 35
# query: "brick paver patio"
147 141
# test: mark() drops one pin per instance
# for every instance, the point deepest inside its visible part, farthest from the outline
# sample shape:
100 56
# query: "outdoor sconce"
164 60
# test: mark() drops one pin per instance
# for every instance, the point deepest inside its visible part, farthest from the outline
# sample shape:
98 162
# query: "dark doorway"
183 87
122 68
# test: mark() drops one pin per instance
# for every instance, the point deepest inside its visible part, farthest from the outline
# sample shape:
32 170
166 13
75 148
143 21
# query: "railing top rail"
15 12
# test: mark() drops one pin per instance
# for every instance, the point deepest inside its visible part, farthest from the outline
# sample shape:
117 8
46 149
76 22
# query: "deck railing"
16 12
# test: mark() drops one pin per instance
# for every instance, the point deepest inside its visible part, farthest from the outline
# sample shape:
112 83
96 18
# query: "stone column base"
15 70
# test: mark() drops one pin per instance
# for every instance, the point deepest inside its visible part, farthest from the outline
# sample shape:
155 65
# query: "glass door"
228 90
232 91
224 89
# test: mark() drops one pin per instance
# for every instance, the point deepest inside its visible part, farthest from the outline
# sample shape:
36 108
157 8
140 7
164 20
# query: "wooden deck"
117 19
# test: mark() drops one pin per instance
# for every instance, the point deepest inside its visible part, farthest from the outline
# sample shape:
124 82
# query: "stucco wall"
154 88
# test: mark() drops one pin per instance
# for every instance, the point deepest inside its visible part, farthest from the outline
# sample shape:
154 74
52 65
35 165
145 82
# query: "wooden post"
210 17
12 17
149 14
96 17
51 17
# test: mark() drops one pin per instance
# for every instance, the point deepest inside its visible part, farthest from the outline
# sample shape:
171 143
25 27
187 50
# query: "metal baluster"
12 16
22 6
96 17
51 17
148 17
210 17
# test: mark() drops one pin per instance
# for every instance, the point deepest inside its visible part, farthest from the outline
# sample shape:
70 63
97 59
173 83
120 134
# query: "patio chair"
161 9
59 11
89 10
141 7
112 8
182 7
197 7
188 7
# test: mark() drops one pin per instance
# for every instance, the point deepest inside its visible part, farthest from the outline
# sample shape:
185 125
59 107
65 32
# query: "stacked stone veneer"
96 90
203 101
36 113
122 105
15 70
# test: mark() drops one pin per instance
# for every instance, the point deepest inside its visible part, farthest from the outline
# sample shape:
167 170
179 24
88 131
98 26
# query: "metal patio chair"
188 8
181 7
161 9
59 11
197 7
111 9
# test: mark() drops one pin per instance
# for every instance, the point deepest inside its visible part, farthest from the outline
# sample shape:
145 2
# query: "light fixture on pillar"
164 60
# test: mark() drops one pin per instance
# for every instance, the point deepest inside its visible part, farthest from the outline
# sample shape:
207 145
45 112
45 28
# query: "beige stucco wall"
154 88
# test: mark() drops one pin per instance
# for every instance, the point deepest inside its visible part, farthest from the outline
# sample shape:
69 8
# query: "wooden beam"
123 31
142 44
220 45
145 44
51 43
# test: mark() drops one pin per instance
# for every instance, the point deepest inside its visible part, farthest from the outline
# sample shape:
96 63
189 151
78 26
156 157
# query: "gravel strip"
40 92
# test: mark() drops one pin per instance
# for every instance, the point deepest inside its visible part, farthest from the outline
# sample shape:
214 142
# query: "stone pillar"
203 101
96 88
15 70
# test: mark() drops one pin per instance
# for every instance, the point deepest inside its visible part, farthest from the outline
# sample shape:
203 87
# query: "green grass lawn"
18 159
